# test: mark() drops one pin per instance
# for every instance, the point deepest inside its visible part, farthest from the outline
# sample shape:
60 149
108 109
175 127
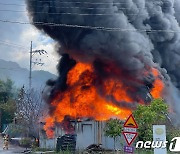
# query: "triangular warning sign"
129 137
130 122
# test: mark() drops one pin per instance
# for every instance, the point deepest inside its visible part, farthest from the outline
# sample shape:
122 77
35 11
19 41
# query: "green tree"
6 90
7 102
146 116
113 128
8 110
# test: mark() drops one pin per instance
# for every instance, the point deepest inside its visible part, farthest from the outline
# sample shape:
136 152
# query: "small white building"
88 132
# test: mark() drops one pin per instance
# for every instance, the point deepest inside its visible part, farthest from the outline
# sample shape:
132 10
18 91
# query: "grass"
107 152
41 149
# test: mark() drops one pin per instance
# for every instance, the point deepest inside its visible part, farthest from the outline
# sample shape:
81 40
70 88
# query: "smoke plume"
133 35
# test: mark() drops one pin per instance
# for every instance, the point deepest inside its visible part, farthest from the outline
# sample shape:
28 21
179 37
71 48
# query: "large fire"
87 96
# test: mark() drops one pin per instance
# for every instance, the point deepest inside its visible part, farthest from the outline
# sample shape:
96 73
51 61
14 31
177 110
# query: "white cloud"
23 35
41 41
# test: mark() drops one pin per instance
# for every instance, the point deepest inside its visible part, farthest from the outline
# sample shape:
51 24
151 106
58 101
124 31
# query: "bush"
41 149
26 142
171 133
15 130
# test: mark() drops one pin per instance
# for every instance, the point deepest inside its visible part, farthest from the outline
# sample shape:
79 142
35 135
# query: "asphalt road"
12 149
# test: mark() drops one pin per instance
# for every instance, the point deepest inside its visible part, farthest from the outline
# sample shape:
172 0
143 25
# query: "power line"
82 7
13 69
66 13
88 27
87 2
62 13
12 4
86 8
79 14
107 1
77 2
9 45
95 3
12 44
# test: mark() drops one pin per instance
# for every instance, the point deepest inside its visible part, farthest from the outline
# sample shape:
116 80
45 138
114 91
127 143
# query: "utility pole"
30 69
35 63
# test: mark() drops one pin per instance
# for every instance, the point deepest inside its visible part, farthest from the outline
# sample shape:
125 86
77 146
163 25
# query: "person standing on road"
6 142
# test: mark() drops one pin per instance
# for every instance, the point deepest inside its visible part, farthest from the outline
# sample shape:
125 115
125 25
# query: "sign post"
159 134
130 134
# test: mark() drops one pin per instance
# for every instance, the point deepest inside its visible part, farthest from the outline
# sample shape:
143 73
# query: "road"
12 148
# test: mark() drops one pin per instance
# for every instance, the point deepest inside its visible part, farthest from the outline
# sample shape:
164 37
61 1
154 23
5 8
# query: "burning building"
115 54
88 132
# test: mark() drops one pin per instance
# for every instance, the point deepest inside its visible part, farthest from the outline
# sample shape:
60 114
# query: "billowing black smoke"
134 34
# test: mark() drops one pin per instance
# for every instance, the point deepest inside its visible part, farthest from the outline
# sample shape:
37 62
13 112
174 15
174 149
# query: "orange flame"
157 90
48 127
83 99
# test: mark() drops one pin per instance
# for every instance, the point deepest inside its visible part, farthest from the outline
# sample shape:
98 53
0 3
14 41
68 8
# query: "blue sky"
22 35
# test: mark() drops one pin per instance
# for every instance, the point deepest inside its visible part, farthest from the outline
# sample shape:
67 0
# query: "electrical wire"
66 13
12 44
86 8
79 14
77 2
99 3
82 2
12 69
88 27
